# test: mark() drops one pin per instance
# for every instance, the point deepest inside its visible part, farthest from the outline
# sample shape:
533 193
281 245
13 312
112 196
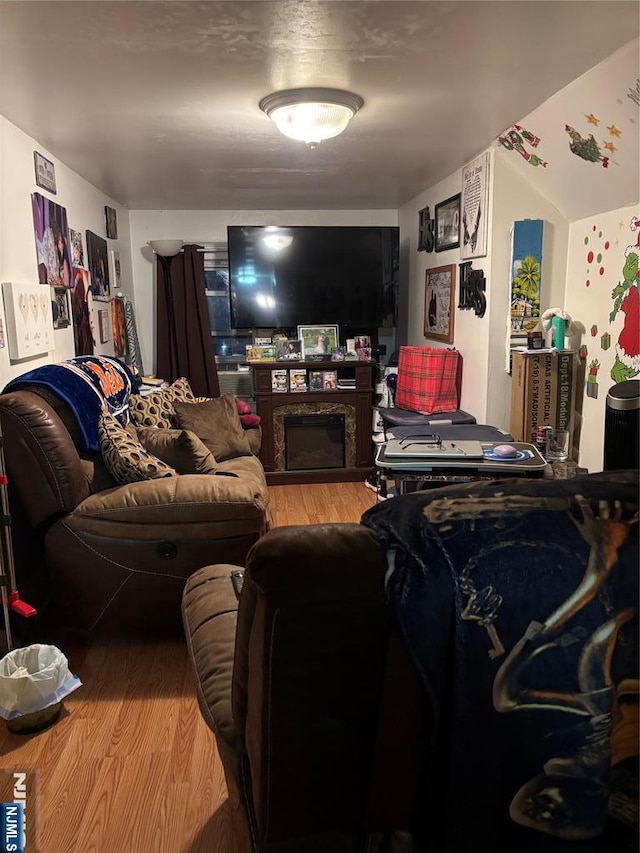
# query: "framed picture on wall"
448 224
474 208
439 304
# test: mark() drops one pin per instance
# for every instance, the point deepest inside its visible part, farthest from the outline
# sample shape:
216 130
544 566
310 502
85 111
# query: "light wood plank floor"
130 766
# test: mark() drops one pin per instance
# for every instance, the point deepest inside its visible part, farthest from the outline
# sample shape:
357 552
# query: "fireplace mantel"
355 403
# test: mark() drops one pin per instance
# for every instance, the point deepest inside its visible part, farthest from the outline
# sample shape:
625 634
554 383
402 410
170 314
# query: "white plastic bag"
33 678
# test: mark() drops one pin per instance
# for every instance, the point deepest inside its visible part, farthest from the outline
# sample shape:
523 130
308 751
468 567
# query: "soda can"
542 434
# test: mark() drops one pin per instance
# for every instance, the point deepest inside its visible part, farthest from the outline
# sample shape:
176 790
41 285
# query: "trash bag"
33 681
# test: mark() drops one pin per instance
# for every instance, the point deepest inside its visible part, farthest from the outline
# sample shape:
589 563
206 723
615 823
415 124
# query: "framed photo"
289 351
45 173
115 276
77 248
111 220
474 208
439 304
448 224
329 380
61 310
318 340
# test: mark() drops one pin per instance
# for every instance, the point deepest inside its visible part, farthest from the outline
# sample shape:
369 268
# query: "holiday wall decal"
517 139
626 300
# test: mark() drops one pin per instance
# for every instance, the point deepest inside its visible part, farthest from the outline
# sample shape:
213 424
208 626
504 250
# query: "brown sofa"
97 555
458 671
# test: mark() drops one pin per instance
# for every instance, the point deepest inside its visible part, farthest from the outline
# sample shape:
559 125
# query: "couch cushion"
156 409
180 448
124 457
217 423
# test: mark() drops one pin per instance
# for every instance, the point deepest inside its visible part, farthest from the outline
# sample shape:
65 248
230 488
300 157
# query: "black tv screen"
306 275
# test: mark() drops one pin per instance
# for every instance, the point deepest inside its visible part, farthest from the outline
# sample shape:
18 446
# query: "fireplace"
313 408
314 441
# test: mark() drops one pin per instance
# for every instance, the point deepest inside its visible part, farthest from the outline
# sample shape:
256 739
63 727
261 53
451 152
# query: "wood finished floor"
130 766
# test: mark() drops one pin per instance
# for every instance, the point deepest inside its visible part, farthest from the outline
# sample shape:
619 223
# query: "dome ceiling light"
313 114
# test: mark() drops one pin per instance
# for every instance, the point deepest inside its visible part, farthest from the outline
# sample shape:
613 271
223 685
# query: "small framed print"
61 312
318 340
111 220
45 173
447 225
114 271
439 304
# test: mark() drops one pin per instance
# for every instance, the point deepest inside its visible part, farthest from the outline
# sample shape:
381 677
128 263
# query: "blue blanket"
518 606
86 384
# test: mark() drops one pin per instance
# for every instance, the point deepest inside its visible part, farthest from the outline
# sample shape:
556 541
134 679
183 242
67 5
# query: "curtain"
183 335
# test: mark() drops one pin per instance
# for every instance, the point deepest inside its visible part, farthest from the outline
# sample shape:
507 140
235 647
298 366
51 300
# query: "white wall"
18 262
210 226
471 333
590 303
516 199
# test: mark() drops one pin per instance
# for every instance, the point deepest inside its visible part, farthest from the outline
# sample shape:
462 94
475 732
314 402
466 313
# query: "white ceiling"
156 103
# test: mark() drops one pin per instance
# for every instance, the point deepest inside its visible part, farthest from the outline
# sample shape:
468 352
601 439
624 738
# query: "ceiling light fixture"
313 114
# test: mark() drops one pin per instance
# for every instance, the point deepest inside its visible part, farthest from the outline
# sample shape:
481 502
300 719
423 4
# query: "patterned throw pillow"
124 457
156 409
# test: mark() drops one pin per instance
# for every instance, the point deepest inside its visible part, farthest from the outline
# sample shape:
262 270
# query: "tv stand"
354 403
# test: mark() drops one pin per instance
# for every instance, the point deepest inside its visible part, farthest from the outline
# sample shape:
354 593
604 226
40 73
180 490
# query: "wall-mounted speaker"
621 435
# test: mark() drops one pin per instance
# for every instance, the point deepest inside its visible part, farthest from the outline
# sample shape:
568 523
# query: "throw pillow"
179 448
248 419
156 409
217 423
124 457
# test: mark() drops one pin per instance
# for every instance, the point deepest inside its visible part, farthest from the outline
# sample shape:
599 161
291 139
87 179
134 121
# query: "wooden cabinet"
353 400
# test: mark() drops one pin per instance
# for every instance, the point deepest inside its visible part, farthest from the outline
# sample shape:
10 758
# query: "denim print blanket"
518 604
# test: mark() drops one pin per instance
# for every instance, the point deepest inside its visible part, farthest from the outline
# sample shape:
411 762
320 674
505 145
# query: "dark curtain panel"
182 306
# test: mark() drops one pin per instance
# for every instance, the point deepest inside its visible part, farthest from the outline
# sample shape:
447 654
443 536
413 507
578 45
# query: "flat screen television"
283 277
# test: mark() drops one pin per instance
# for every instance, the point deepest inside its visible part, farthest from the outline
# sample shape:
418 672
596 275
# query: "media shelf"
354 404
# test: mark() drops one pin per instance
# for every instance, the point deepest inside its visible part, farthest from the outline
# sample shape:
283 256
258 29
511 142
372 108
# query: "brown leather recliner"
498 706
297 687
97 555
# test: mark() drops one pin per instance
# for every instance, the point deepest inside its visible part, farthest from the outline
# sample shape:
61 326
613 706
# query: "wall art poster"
81 312
526 272
474 207
98 265
111 222
119 328
53 247
29 319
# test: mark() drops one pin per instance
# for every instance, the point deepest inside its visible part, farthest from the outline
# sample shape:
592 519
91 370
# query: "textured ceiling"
156 103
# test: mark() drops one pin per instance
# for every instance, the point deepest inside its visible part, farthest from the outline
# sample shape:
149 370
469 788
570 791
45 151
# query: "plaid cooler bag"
427 380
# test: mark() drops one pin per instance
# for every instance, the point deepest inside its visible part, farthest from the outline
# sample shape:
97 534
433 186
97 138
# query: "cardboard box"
543 392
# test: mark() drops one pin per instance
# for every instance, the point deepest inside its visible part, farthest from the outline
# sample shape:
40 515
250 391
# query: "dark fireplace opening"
314 441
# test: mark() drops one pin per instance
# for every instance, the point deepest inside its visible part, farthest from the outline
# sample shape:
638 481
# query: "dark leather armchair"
459 668
101 556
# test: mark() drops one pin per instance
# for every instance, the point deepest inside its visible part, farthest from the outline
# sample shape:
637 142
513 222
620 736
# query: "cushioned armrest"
188 497
209 614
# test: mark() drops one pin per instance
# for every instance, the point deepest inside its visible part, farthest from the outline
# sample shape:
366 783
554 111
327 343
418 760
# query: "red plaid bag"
427 380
